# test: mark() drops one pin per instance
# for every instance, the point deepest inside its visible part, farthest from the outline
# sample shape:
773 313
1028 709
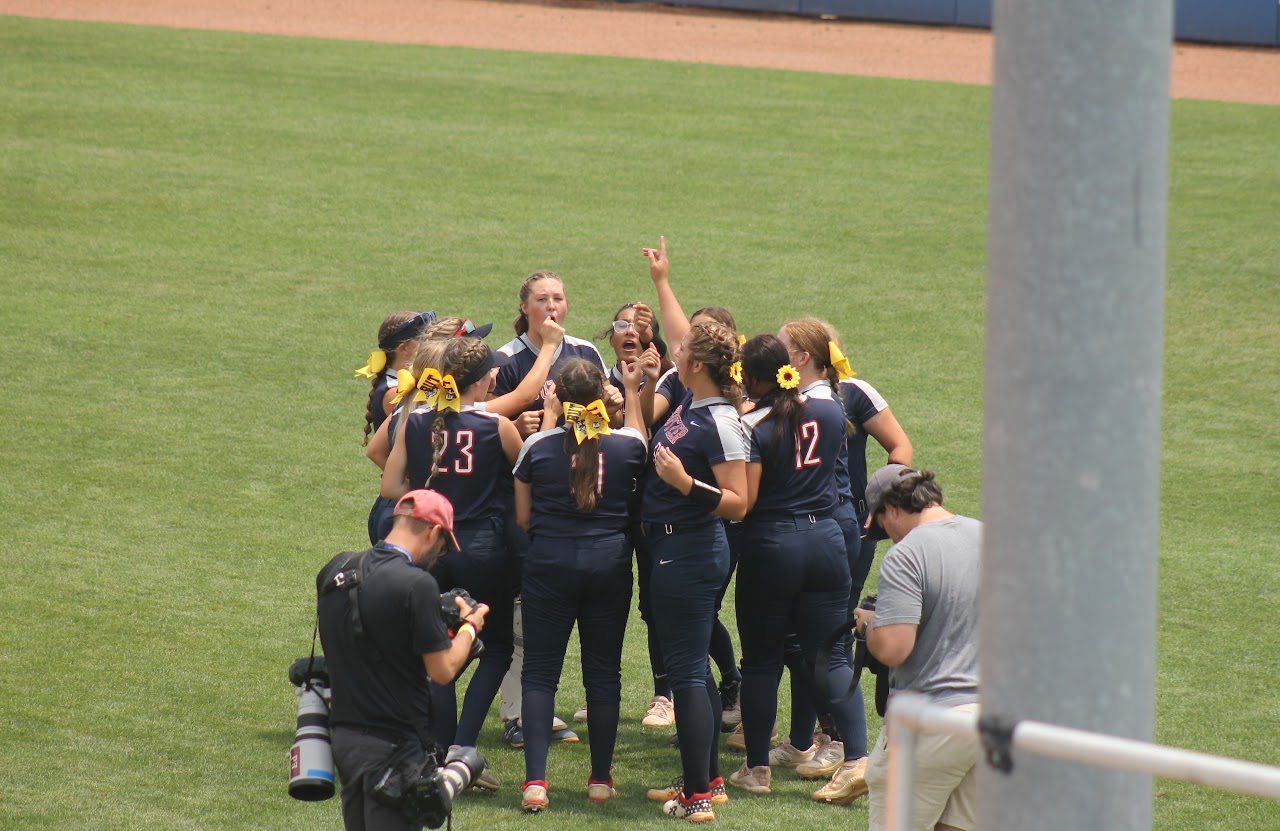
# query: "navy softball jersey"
703 434
670 388
544 459
471 466
822 389
861 404
799 477
615 378
386 382
523 354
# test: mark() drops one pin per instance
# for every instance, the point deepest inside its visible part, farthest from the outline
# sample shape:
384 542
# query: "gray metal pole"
1079 154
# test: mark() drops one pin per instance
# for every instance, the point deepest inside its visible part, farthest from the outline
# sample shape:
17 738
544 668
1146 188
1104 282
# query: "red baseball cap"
432 508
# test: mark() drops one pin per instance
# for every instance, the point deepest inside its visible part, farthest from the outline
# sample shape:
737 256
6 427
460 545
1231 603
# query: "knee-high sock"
693 724
722 652
444 713
486 680
656 666
602 724
538 708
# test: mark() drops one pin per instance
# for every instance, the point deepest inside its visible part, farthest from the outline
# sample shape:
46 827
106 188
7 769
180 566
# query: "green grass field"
200 232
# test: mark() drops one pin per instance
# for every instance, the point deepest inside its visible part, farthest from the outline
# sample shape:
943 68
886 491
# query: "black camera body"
863 659
453 620
449 608
869 661
429 800
423 789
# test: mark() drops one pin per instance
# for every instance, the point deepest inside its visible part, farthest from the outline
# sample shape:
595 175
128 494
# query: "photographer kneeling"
384 636
925 629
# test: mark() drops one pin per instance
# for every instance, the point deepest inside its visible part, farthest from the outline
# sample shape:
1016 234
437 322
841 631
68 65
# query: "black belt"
659 529
860 507
789 516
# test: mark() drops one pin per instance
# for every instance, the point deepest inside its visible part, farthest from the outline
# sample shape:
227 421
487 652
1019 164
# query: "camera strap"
350 576
858 660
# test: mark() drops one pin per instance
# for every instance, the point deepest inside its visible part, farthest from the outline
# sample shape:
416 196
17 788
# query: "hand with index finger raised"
659 265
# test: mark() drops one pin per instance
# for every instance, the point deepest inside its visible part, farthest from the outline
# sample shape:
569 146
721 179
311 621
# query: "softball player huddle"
700 456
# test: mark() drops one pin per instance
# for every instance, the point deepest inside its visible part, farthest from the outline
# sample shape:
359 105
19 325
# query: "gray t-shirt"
930 578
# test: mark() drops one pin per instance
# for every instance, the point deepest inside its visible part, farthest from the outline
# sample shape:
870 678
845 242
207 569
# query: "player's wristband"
705 496
467 627
662 347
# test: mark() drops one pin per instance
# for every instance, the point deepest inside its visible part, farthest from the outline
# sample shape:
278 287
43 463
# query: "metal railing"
911 713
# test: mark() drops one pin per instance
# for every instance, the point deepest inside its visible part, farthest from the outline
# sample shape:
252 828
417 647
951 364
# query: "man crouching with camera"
924 627
384 636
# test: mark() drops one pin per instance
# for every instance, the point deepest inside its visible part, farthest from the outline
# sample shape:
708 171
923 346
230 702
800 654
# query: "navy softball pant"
793 576
583 580
483 567
690 564
381 519
851 716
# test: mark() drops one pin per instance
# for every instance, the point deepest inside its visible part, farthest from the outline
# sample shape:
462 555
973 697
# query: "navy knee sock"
490 669
759 709
656 666
693 724
537 708
602 724
444 713
722 652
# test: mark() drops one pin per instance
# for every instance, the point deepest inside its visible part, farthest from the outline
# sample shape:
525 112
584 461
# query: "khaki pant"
944 785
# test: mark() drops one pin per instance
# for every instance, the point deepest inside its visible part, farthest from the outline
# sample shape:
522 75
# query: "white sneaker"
661 713
581 713
786 755
755 780
847 784
830 756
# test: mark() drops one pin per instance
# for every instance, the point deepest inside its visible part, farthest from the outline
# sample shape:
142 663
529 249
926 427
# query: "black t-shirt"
378 680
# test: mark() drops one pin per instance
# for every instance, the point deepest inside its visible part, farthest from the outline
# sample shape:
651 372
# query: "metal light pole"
1079 157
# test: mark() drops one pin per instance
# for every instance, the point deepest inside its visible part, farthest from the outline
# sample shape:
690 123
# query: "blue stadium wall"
1218 21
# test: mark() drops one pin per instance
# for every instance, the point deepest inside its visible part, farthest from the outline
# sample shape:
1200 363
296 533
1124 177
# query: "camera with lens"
453 620
427 795
869 602
864 659
449 608
311 757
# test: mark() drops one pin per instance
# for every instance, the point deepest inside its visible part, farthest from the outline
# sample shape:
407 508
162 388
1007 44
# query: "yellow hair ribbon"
742 340
429 383
448 397
589 421
377 363
735 372
839 361
405 382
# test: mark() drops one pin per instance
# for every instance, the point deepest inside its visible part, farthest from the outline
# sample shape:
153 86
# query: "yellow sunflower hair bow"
448 397
589 421
839 361
735 372
788 377
405 382
377 363
742 339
